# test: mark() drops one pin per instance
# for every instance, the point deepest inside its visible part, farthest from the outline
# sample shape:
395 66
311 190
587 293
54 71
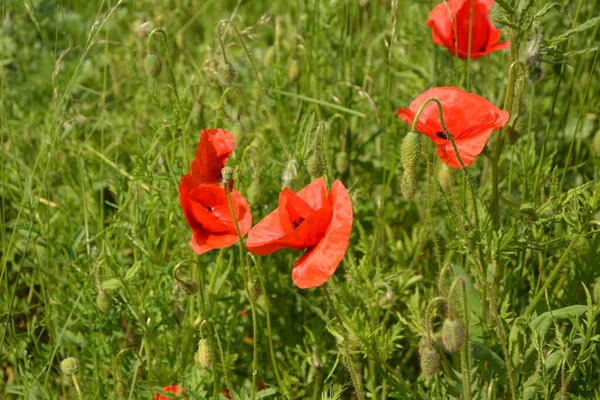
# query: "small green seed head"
153 65
293 71
69 366
453 335
227 173
227 74
342 162
204 355
408 185
410 151
103 301
188 286
430 361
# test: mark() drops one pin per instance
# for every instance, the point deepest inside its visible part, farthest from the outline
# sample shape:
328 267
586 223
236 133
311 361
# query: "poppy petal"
315 193
214 148
320 262
441 21
291 208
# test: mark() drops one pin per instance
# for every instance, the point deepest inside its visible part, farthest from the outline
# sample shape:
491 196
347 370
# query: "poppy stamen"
441 135
297 222
209 208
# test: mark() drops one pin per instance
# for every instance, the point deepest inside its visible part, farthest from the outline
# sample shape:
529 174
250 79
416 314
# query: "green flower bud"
597 142
269 56
153 65
289 173
444 176
408 185
227 74
535 74
430 361
410 151
342 162
293 71
204 355
453 335
188 285
103 301
254 192
314 165
120 389
69 366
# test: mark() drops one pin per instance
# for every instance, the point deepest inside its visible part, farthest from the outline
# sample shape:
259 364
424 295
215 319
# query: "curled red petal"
214 148
319 263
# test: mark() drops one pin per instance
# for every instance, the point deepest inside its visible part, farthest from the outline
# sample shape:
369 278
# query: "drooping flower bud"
69 366
408 185
293 71
444 176
227 73
429 361
188 285
410 151
289 173
453 335
342 162
153 65
254 191
314 165
103 301
204 355
269 56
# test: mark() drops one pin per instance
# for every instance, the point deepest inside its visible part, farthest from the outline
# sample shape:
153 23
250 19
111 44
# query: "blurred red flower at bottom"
175 389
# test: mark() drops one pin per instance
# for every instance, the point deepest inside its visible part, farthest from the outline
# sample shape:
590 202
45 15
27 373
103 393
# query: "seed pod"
453 335
103 301
153 65
203 355
410 151
188 285
293 71
227 74
430 361
69 366
408 185
227 173
342 162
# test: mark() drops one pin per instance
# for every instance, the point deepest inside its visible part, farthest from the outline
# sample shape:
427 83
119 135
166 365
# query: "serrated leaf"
546 9
590 23
132 272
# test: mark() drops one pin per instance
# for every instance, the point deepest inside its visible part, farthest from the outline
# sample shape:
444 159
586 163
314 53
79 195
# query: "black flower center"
209 208
298 222
441 135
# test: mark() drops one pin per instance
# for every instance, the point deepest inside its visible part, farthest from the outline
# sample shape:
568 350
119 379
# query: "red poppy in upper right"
470 119
450 21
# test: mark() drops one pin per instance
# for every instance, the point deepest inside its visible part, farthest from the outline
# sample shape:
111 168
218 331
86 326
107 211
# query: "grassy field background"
91 225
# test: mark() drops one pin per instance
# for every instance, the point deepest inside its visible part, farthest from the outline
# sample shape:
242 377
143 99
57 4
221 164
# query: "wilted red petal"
214 148
175 389
319 263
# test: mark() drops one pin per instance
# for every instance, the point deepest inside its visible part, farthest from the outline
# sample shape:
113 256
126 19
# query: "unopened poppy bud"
314 165
289 173
103 301
597 142
408 185
227 173
152 65
293 71
453 335
444 177
596 294
227 74
253 192
429 361
69 366
410 151
188 285
342 161
120 389
254 290
535 74
203 355
269 56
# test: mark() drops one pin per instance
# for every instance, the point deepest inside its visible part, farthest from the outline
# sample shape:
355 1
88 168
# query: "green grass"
93 150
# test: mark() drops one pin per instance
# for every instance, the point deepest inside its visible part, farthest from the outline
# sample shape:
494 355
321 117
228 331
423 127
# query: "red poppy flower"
470 119
175 389
450 20
310 219
204 201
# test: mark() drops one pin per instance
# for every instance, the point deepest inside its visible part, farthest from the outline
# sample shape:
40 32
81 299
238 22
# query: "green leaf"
480 352
590 23
546 9
544 321
266 393
111 284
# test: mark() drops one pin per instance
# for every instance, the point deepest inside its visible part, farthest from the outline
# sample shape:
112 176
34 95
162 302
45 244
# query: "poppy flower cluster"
312 219
203 199
451 25
469 118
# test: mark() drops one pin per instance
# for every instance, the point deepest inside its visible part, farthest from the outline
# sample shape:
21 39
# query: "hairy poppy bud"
289 173
227 173
408 185
188 285
293 71
152 65
596 294
120 389
410 151
430 360
103 301
69 366
342 161
314 165
453 335
203 355
597 142
253 192
535 74
269 56
227 73
444 177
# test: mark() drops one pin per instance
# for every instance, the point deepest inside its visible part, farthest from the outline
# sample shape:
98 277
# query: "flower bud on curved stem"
188 285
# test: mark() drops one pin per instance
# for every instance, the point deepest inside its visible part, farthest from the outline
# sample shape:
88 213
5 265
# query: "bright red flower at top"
470 119
450 20
310 219
175 389
204 201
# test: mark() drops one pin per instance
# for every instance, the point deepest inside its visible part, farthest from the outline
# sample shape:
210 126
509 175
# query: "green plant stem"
77 388
551 277
353 364
245 275
263 93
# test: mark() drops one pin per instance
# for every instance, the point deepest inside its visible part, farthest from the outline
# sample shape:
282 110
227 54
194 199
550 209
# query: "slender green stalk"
77 388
